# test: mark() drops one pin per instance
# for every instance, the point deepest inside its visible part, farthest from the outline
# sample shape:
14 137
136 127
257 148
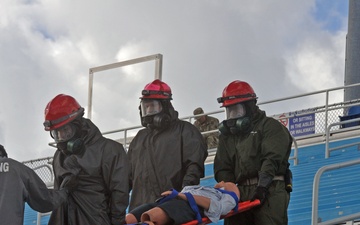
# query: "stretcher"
242 206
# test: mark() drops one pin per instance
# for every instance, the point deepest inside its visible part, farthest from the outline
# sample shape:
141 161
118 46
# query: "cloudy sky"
281 47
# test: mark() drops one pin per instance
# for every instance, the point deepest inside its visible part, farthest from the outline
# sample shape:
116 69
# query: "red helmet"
157 90
236 92
61 110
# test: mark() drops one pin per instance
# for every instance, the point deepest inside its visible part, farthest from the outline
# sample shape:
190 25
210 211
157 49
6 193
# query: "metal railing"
41 215
324 115
315 203
328 133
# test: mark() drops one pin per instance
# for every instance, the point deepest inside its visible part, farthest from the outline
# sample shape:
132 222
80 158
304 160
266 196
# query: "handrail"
308 94
295 157
315 203
39 216
327 149
32 161
324 109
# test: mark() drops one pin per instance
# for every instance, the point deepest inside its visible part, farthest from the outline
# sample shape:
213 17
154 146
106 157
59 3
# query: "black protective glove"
71 179
69 183
260 193
261 190
72 165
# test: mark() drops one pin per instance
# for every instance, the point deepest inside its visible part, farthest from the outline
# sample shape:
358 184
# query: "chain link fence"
333 114
323 116
43 168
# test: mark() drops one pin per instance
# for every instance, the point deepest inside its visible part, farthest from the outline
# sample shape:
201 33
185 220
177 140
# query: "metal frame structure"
158 72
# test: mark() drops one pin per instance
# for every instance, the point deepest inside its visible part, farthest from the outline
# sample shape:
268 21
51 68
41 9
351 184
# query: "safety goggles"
235 111
63 133
150 107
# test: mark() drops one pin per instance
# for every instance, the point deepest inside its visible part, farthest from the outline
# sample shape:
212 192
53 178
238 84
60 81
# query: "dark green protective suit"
265 149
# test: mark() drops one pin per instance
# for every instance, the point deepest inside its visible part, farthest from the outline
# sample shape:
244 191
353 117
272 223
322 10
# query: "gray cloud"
47 48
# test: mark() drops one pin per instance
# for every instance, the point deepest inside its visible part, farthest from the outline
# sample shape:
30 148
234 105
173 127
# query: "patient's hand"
180 195
220 184
166 193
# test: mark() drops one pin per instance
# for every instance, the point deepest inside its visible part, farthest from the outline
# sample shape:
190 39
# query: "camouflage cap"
198 110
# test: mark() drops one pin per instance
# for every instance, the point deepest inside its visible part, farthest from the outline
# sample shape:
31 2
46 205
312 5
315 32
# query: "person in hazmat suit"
253 152
102 194
167 153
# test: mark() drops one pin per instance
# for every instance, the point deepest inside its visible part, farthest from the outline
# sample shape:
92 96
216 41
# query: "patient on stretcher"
192 203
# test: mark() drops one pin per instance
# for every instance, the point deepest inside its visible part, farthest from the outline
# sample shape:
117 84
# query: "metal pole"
91 81
158 67
352 55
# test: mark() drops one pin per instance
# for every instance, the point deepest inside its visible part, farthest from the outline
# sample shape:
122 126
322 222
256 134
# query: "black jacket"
102 194
20 184
164 159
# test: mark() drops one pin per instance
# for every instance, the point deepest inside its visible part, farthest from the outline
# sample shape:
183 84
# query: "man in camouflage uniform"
207 123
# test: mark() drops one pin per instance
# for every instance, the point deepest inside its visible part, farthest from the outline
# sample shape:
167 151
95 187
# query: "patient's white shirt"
220 203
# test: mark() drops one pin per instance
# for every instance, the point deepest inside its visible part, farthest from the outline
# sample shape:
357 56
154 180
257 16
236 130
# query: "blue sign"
302 125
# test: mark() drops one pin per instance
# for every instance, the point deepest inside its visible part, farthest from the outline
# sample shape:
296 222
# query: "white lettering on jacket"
4 167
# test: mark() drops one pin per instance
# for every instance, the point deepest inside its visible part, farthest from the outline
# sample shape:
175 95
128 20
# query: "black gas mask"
153 114
68 138
238 120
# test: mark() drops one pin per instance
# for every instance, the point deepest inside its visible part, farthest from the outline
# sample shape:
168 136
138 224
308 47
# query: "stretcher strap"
173 194
232 194
194 206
